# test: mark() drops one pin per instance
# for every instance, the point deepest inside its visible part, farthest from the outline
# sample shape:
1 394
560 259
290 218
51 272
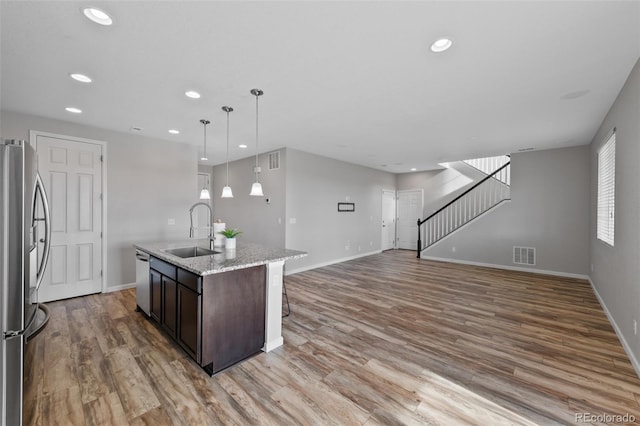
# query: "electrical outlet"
453 249
171 221
359 248
370 243
635 327
592 268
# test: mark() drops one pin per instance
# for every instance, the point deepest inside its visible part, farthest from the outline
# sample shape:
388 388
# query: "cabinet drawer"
164 268
190 280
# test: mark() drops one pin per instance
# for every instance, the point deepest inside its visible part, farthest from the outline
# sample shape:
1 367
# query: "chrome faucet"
210 221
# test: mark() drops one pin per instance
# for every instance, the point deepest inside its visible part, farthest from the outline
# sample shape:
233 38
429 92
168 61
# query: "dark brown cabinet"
217 319
189 321
155 281
169 305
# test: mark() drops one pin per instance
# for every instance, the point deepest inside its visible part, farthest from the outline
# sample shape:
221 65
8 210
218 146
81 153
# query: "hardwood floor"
385 339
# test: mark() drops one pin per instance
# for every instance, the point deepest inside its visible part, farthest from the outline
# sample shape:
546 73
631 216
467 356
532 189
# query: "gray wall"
315 185
148 182
616 269
259 221
438 186
548 211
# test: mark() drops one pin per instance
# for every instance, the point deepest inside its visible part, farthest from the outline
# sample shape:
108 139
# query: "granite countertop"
245 255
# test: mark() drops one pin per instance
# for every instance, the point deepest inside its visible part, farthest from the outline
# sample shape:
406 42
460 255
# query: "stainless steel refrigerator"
25 235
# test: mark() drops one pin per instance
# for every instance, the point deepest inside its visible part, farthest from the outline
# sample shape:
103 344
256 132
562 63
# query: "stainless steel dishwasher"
143 292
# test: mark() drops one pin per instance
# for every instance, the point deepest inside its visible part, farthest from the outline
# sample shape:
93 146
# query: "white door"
388 220
71 171
409 211
201 214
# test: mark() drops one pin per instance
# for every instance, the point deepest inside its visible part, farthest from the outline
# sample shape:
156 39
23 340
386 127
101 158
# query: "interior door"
409 210
388 220
71 171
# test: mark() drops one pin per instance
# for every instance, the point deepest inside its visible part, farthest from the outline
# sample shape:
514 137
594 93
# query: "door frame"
395 217
421 190
33 135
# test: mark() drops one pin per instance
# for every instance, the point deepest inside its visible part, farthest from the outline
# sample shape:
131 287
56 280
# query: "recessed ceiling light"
136 129
74 110
80 77
98 16
192 94
242 146
174 131
525 149
413 169
441 45
204 159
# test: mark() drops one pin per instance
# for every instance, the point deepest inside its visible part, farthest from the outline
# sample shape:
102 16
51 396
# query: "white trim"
508 268
113 288
625 344
273 306
33 134
330 262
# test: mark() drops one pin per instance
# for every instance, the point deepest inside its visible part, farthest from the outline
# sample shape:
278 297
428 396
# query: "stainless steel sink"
185 252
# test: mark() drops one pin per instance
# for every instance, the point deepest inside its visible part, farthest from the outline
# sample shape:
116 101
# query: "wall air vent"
274 160
524 255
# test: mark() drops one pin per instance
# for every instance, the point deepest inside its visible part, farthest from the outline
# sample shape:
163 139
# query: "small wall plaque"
346 207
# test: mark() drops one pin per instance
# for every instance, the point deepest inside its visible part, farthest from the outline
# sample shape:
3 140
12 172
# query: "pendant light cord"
205 139
257 174
227 148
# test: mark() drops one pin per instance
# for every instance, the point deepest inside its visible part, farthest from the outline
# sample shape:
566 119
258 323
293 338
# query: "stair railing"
487 165
475 201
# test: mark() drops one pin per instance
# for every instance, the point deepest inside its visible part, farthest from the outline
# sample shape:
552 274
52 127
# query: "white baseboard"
113 288
625 344
507 267
330 262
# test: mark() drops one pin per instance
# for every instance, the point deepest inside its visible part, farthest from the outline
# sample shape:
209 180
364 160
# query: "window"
606 190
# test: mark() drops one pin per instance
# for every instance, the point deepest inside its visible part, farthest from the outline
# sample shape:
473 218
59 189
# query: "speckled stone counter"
245 255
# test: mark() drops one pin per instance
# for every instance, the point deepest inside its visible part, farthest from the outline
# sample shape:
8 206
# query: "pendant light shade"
204 194
226 191
256 188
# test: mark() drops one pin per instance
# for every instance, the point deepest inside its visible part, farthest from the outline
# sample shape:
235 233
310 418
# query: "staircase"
488 193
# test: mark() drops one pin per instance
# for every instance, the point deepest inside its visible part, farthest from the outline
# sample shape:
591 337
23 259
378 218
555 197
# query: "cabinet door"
155 281
189 327
169 305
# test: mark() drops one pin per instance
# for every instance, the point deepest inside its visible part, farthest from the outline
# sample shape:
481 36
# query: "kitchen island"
221 306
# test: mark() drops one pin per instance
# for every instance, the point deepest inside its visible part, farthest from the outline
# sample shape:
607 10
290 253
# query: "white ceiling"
348 80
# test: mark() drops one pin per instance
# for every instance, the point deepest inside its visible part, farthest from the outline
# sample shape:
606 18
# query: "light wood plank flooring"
386 339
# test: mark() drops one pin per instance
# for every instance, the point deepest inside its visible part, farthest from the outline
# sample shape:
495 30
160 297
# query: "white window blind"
607 190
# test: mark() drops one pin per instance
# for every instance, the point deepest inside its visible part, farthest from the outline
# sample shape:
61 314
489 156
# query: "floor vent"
274 160
524 255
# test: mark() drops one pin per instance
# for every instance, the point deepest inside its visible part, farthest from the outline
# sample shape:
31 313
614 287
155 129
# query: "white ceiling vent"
274 160
524 255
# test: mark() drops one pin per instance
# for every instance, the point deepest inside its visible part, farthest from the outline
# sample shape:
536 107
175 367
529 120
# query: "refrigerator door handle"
47 228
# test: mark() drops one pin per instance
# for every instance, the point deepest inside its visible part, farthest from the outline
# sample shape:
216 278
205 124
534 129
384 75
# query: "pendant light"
204 194
226 191
256 188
